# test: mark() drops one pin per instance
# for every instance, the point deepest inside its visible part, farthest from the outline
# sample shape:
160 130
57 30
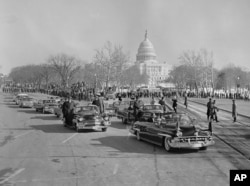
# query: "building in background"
147 63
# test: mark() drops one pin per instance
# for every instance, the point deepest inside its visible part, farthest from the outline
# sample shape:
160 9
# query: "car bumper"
27 105
93 125
191 145
97 127
49 110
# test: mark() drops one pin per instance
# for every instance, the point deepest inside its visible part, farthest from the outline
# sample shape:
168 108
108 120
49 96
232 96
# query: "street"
35 149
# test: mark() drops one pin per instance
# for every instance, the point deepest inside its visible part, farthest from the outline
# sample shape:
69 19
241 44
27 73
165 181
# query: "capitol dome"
146 50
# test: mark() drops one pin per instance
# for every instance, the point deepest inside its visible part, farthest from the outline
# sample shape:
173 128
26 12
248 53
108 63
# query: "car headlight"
106 118
178 133
80 119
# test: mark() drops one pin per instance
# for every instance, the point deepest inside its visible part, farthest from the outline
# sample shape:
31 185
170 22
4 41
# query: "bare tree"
132 76
66 66
109 63
47 71
201 71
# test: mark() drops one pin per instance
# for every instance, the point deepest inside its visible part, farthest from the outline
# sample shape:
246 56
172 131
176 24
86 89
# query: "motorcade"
18 97
172 130
46 106
26 102
88 117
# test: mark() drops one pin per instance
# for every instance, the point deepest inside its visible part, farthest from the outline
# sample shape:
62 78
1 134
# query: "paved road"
35 149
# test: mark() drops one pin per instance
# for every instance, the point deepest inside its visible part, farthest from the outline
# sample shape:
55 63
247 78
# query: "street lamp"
238 85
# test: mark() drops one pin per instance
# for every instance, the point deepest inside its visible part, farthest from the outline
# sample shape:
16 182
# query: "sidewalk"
243 107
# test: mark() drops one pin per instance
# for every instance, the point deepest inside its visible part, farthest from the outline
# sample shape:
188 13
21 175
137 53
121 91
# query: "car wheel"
203 148
138 136
166 144
104 129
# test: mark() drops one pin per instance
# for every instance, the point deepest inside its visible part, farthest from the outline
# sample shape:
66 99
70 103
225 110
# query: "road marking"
12 175
69 138
115 169
22 134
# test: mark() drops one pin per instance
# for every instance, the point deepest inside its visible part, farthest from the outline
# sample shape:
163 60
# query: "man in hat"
136 108
99 102
209 109
234 111
68 110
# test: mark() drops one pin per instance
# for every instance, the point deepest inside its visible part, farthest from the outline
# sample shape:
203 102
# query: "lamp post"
238 85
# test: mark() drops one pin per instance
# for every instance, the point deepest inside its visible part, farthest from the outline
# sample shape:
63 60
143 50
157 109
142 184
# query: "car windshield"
49 101
182 118
86 108
152 107
27 99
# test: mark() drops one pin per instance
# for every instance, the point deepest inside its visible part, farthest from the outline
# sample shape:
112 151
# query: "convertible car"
19 97
171 130
26 102
89 117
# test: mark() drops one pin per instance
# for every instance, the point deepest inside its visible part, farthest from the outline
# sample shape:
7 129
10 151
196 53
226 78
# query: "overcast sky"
31 30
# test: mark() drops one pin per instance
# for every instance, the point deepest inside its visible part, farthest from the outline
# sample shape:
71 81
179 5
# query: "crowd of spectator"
81 91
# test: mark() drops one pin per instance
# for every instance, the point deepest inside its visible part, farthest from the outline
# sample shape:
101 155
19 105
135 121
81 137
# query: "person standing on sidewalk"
210 114
215 110
174 104
209 109
163 104
234 110
185 100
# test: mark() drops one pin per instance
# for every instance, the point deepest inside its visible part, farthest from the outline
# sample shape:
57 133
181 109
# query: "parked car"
46 106
26 102
19 96
172 130
89 117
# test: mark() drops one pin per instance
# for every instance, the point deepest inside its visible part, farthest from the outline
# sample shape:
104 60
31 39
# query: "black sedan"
171 130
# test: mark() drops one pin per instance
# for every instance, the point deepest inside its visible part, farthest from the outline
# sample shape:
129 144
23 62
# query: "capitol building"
147 63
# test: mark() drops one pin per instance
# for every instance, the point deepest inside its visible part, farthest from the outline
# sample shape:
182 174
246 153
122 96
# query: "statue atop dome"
146 35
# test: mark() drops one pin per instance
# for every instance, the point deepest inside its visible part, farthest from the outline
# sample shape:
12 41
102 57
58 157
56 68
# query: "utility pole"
212 78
